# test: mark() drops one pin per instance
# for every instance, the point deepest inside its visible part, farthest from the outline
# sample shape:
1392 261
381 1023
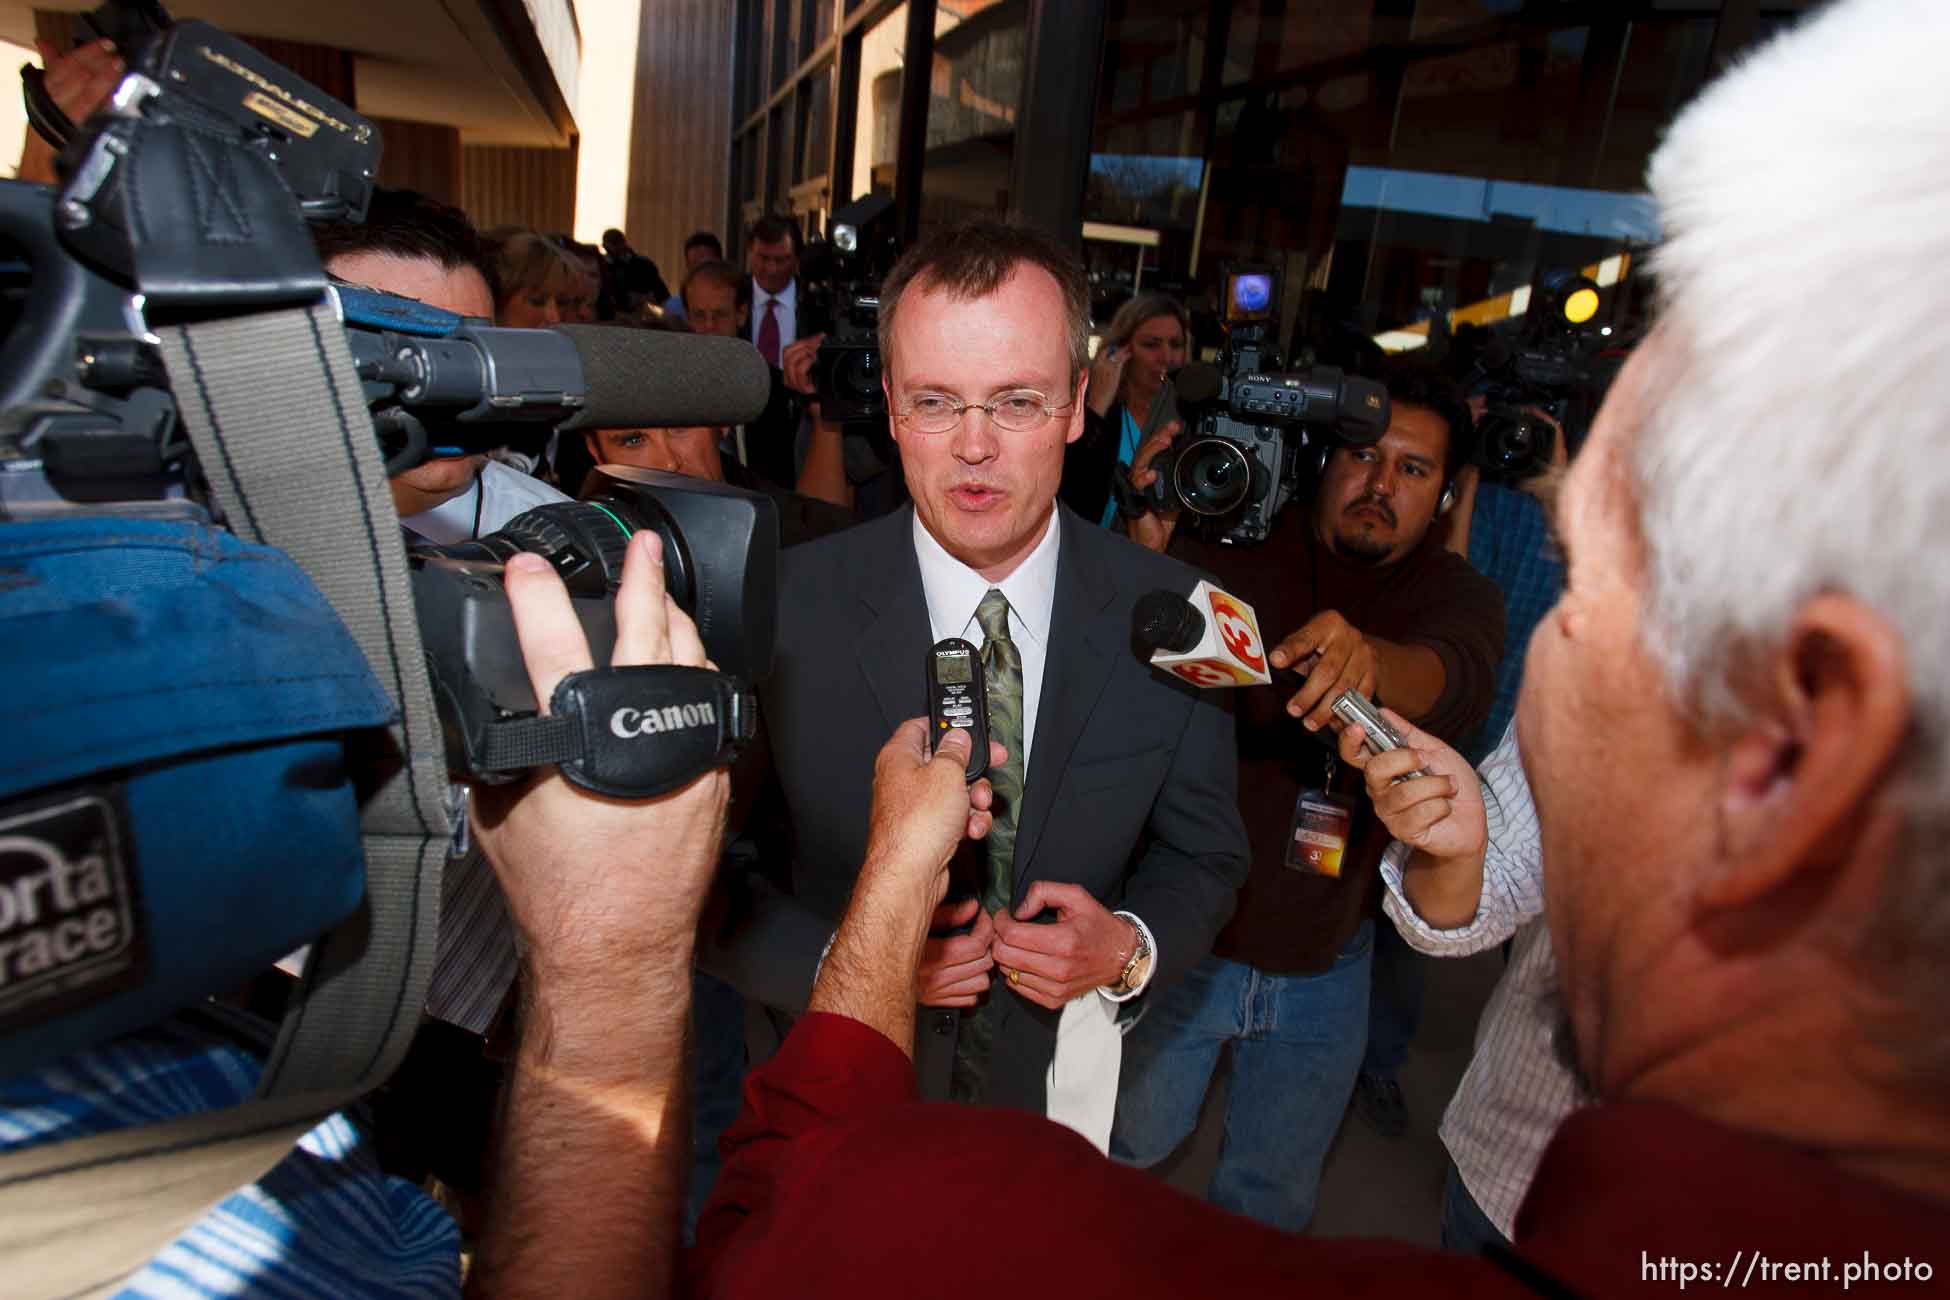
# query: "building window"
877 123
974 92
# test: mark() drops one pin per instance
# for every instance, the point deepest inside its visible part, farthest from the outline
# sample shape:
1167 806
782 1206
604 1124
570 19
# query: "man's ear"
1801 782
1077 407
595 446
887 394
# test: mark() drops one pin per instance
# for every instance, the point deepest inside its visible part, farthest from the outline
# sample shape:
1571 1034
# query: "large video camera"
1241 462
1547 367
842 275
180 204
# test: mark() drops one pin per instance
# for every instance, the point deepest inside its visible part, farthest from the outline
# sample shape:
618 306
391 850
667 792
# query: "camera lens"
1513 444
585 541
1212 476
858 374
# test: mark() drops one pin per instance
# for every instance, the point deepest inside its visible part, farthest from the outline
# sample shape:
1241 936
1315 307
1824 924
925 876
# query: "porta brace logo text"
64 913
627 723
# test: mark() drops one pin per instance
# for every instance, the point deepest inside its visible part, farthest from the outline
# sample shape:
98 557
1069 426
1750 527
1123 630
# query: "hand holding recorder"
1430 799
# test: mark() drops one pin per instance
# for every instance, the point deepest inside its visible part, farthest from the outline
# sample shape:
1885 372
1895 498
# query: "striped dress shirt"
325 1222
1519 1085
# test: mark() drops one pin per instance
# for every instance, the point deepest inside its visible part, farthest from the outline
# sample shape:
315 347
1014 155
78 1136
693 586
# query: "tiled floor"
1375 1186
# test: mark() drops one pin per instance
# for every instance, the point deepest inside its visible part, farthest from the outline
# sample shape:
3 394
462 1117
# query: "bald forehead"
1030 297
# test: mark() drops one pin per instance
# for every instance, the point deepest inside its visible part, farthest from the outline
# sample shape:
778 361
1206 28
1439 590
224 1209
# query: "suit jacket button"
943 1022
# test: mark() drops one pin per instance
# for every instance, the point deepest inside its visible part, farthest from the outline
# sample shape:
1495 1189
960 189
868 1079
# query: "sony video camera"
1240 462
1548 367
224 151
842 274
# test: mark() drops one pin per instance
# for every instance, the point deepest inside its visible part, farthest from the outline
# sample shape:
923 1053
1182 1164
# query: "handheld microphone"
1222 648
1226 650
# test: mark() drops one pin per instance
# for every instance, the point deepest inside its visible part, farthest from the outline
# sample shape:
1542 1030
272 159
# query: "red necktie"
768 333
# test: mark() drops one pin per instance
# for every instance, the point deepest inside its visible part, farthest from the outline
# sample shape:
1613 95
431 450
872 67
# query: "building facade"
1407 167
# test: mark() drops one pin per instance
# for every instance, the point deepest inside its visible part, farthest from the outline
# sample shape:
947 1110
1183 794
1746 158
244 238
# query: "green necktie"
1002 676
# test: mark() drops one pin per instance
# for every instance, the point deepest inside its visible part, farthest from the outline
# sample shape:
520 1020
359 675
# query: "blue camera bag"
175 806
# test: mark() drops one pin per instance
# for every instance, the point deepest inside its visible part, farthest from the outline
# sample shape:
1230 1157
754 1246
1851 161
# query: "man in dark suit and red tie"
779 317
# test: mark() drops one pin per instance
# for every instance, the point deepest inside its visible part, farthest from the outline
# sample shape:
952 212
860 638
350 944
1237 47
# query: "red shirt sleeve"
829 1067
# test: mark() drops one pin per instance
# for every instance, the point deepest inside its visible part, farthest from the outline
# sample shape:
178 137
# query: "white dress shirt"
497 496
788 301
1082 1083
1518 1088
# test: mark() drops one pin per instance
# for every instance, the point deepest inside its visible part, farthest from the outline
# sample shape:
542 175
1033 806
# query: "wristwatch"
1139 966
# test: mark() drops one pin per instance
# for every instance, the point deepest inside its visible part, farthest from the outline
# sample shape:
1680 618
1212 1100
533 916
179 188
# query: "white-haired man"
1739 739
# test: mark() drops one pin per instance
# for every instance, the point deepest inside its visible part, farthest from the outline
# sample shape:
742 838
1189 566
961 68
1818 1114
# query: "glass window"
745 163
821 23
815 125
1264 39
751 44
1434 20
781 41
975 91
1416 171
775 154
877 124
1665 63
767 50
1502 109
1155 51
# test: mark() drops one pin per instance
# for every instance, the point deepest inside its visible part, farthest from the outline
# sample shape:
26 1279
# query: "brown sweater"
1290 921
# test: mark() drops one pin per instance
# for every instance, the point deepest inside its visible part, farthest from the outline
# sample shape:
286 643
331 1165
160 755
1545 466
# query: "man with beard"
1382 609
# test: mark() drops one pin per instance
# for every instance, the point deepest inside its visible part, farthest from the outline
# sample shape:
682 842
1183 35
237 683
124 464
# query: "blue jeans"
1394 1001
718 1078
1296 1046
1465 1228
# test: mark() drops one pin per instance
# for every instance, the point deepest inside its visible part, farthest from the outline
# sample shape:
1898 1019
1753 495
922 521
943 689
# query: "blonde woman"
1128 400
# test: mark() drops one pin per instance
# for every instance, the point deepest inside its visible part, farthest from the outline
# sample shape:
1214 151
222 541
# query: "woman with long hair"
1128 400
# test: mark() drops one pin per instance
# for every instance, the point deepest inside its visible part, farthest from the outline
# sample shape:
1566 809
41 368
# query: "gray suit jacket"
1132 790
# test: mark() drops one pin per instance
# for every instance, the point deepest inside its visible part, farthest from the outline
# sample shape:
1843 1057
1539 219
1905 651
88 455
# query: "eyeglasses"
1023 411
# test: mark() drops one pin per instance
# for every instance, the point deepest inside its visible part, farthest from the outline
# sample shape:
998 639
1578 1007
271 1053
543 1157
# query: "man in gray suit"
1118 848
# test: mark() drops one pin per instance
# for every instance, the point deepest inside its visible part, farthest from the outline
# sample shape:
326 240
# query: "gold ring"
1015 977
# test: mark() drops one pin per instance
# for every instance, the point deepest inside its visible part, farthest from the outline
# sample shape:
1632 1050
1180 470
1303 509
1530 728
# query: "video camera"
1241 462
181 203
842 275
1548 368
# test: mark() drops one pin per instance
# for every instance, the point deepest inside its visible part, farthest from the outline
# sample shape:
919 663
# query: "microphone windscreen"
1165 620
1196 383
655 378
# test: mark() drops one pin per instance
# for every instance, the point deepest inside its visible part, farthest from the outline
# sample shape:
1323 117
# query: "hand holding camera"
796 363
1152 529
595 883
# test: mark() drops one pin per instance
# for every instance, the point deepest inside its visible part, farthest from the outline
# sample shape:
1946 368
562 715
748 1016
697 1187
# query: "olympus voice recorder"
957 698
1377 737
